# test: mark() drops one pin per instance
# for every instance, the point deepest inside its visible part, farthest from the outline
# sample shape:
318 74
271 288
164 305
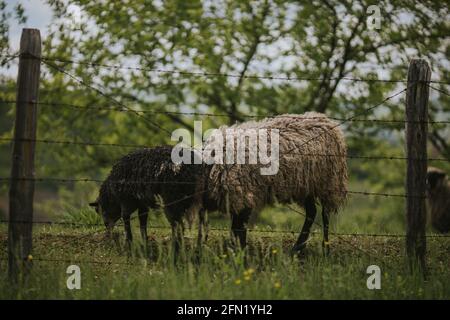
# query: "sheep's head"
435 177
110 214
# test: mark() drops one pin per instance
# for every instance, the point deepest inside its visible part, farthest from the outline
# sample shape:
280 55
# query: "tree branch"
249 57
333 44
325 99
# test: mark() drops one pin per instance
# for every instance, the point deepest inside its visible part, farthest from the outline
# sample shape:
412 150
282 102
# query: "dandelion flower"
274 251
277 285
247 278
237 281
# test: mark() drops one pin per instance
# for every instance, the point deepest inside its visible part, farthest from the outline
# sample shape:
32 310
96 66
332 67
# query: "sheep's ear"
441 174
438 175
93 204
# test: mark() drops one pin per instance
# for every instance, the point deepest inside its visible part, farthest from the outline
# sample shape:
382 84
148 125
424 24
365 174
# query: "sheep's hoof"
326 249
128 246
298 250
197 256
144 250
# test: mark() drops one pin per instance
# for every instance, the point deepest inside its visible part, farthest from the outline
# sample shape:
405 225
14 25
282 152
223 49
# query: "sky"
39 16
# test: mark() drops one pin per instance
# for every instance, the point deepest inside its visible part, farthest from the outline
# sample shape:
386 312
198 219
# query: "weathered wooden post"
416 151
21 189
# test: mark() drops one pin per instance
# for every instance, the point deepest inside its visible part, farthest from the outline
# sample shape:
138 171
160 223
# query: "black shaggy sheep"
138 179
438 194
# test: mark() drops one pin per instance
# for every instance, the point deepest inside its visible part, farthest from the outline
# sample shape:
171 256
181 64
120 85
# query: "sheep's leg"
202 233
143 215
202 227
205 226
126 214
201 218
326 222
177 237
109 231
239 226
310 208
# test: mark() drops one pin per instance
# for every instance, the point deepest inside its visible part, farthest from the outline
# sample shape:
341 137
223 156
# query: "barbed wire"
241 76
126 109
210 114
350 118
81 143
137 146
218 74
107 96
75 180
9 58
256 230
227 75
347 119
77 261
123 108
439 90
111 262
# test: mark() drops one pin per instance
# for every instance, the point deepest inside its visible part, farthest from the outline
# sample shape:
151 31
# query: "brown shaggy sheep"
305 175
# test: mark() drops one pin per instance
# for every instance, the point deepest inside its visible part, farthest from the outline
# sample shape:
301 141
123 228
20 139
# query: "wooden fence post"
416 151
21 189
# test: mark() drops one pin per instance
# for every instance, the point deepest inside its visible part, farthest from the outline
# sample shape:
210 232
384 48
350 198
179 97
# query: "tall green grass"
266 271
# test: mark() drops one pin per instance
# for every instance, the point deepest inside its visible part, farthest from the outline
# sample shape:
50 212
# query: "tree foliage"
328 40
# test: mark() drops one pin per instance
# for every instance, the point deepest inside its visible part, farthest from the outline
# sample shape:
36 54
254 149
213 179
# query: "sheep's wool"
312 162
137 179
439 202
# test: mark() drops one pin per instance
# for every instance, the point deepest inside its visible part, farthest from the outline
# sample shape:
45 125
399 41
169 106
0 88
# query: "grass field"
267 272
